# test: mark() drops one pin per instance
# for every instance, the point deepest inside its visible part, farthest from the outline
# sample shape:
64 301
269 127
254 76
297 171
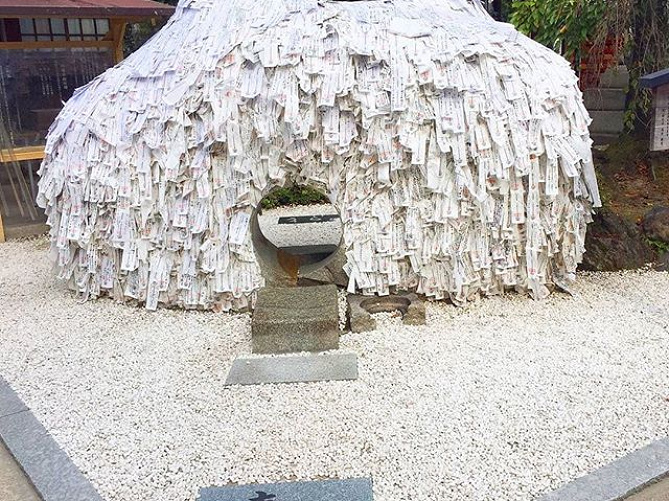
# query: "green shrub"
658 245
293 195
562 25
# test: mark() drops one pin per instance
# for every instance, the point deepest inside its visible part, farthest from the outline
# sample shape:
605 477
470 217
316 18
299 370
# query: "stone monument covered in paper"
455 149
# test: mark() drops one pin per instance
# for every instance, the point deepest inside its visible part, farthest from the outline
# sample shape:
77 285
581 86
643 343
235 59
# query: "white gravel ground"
289 235
503 400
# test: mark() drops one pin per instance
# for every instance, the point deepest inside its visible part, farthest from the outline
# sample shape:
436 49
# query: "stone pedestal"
294 319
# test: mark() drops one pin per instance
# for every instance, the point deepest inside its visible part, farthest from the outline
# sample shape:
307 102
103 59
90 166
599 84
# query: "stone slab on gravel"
355 489
294 369
295 319
618 480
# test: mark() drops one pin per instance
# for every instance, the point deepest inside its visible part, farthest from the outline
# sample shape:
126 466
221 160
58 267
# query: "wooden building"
48 48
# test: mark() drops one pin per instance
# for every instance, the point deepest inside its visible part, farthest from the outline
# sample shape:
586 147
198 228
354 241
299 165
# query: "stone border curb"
619 480
47 466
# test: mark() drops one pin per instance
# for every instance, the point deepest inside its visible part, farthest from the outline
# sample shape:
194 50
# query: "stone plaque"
660 133
355 489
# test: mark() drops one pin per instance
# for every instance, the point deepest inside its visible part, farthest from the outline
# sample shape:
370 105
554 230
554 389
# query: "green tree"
562 25
647 22
642 25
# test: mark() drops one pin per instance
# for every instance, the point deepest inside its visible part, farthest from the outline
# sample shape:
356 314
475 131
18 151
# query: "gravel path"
502 401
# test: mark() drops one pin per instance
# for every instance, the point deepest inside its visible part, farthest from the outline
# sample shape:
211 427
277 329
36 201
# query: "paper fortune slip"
455 149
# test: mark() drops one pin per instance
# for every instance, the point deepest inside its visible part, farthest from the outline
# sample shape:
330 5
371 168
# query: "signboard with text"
660 133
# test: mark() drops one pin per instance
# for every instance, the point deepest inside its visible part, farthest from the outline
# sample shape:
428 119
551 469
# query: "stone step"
604 99
629 474
606 122
295 319
39 459
602 139
615 78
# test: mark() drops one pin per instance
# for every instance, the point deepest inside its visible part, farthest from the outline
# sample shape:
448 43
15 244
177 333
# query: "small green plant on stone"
658 245
293 195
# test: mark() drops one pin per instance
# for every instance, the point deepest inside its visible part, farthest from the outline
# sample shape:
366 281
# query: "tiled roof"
84 8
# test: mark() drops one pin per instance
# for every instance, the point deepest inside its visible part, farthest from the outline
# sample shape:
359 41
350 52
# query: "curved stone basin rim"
386 304
270 256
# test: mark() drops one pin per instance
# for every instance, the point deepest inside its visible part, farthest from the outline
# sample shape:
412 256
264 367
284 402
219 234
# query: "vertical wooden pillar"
117 29
2 230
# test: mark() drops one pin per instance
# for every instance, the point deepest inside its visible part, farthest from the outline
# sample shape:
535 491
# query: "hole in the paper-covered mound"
295 230
387 304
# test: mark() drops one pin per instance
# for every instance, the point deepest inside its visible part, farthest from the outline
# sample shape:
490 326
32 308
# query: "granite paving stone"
294 369
356 489
620 479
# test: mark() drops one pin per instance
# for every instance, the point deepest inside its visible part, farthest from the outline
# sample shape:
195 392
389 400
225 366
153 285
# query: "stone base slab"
294 369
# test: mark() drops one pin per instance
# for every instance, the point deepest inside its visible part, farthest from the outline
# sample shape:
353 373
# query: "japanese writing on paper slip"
455 149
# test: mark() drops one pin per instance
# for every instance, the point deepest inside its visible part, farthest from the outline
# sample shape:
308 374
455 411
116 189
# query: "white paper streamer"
455 149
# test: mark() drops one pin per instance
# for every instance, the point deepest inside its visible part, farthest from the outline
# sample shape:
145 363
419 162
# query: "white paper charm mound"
455 149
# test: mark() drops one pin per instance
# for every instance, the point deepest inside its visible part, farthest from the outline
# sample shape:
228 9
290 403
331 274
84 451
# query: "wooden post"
2 230
117 29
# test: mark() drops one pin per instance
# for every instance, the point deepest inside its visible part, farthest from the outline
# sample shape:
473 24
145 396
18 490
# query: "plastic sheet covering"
18 187
455 149
35 82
